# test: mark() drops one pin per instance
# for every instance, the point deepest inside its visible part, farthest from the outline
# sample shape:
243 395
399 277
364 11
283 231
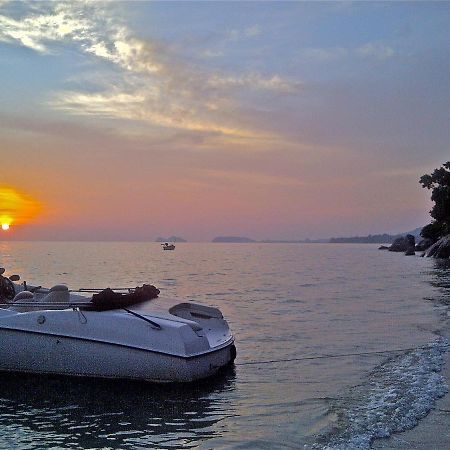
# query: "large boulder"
403 244
441 249
423 244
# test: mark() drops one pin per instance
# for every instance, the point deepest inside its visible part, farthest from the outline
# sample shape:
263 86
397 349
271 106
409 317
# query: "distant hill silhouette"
374 238
384 238
294 241
234 239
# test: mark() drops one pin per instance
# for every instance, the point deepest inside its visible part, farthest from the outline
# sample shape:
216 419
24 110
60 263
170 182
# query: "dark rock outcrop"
410 251
441 249
403 244
383 247
423 244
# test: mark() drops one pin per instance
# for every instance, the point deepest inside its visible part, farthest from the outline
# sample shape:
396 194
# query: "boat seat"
57 294
23 297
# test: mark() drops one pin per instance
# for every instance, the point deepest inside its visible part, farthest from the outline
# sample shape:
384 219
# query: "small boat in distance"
133 334
167 246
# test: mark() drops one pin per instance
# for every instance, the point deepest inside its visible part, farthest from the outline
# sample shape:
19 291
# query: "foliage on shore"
439 184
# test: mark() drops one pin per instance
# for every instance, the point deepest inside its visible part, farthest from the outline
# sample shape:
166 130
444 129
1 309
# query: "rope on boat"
38 305
341 355
129 289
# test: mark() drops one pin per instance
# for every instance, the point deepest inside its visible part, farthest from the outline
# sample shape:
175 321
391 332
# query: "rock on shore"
423 244
441 249
403 244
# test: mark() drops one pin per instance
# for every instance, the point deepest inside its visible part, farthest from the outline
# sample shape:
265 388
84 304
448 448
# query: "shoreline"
433 431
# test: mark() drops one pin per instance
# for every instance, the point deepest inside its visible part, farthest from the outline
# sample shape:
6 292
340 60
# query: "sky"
133 120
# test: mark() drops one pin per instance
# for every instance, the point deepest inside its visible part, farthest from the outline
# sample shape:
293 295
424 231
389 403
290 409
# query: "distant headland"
370 239
374 238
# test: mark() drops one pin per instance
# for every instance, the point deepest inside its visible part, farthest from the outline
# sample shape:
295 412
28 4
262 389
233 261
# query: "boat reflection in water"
61 412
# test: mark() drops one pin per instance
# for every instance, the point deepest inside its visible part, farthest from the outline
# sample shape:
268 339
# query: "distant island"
170 239
234 239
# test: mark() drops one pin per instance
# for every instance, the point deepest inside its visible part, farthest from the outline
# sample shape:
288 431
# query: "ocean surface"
283 302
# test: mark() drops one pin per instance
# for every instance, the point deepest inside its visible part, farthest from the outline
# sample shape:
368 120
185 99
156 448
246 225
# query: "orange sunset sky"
132 120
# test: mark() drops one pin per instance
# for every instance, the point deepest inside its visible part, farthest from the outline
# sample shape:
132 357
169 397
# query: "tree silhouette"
439 183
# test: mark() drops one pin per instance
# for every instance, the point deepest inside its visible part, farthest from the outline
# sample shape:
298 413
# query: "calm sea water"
282 302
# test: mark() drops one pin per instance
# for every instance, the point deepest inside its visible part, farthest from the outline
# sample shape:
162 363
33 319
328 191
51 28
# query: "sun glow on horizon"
16 207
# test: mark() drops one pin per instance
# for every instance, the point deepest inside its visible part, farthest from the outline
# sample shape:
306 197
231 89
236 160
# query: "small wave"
395 396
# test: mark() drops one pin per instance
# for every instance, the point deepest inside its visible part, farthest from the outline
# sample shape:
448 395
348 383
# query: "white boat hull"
183 343
43 354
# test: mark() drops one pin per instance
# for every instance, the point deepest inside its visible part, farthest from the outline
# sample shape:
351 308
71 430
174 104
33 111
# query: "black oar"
146 319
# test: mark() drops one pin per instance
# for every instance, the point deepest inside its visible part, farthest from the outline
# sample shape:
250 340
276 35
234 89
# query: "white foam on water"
396 395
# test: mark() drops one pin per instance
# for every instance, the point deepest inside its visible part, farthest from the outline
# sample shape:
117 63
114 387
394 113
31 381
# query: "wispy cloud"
254 30
208 53
45 23
158 86
249 32
325 54
374 50
370 50
88 24
37 30
255 81
145 107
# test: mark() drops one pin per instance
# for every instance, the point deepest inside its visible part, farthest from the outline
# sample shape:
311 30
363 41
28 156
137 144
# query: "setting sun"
16 207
